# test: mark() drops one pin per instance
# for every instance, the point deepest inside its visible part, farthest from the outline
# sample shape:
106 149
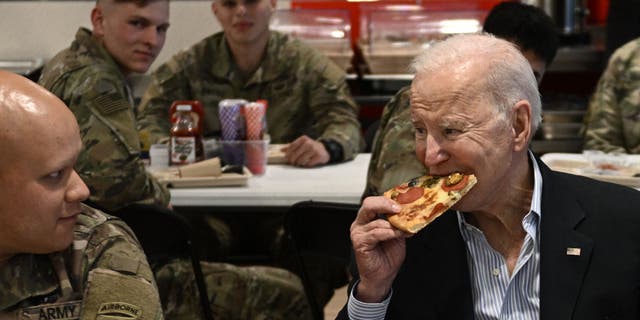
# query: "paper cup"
159 155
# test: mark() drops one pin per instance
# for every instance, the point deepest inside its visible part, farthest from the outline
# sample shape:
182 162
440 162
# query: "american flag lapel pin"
573 251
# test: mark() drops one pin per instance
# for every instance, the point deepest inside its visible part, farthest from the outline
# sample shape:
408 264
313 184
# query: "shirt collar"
536 197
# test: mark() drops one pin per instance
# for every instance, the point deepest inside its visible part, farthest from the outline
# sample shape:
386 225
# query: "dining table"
283 185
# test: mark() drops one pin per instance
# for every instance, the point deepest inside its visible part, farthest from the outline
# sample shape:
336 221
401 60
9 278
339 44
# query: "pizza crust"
433 201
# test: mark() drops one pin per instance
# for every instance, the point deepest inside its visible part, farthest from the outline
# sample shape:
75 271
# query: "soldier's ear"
97 18
214 7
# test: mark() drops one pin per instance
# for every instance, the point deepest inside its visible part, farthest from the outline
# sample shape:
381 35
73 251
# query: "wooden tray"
170 178
576 164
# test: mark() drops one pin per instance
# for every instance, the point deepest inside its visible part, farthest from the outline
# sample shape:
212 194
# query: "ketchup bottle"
186 140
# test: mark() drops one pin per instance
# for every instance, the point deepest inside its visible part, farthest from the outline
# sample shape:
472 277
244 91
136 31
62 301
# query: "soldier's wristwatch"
334 149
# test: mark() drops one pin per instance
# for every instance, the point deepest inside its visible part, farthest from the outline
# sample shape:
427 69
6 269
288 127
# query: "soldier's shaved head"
40 193
28 111
108 5
139 3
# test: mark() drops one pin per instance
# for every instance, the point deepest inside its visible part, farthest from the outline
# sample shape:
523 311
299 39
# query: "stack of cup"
254 113
256 149
232 123
229 111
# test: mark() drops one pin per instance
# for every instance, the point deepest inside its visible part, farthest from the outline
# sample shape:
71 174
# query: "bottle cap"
183 107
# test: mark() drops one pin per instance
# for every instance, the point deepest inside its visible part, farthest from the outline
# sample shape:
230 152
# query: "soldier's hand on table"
306 152
379 248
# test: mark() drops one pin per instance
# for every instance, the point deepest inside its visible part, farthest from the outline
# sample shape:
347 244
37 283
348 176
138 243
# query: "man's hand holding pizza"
379 244
379 249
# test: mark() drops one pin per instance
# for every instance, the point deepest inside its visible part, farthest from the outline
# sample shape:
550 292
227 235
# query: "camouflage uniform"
89 81
393 156
103 272
613 120
306 92
251 293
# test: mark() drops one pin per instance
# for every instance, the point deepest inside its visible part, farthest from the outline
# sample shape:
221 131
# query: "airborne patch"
118 310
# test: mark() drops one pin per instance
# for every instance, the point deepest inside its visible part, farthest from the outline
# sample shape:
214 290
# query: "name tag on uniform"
53 311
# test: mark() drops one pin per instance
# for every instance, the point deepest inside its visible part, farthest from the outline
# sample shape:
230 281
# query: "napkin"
205 168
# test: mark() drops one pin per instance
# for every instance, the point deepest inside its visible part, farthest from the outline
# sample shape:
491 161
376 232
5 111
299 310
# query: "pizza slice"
425 198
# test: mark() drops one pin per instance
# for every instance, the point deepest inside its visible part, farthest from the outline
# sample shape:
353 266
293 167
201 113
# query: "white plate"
576 163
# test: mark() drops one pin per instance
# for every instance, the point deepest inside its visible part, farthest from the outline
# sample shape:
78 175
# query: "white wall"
39 29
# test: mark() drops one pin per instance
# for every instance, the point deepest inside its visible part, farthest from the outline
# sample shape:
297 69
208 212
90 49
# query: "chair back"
165 235
318 233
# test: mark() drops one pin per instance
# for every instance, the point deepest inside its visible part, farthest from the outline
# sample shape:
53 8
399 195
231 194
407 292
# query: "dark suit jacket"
603 282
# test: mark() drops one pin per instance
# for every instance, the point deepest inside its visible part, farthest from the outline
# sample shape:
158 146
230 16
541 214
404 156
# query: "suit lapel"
565 252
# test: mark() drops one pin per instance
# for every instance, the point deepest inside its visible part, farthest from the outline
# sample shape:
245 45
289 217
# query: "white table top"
284 185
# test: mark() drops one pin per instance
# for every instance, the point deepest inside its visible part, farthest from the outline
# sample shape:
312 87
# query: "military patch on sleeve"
58 311
110 295
111 102
118 310
123 264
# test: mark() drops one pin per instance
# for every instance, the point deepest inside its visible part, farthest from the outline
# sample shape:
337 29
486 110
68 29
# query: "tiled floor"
335 304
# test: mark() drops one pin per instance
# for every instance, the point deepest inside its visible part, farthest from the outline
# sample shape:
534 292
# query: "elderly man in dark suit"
526 242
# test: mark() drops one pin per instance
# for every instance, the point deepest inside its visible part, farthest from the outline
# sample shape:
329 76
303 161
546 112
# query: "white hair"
508 79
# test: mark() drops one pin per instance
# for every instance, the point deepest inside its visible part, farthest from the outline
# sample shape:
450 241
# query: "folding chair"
164 235
318 233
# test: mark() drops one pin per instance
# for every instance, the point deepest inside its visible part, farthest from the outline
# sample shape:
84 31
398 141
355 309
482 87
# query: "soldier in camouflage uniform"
91 78
393 158
309 101
309 104
251 293
613 118
59 259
